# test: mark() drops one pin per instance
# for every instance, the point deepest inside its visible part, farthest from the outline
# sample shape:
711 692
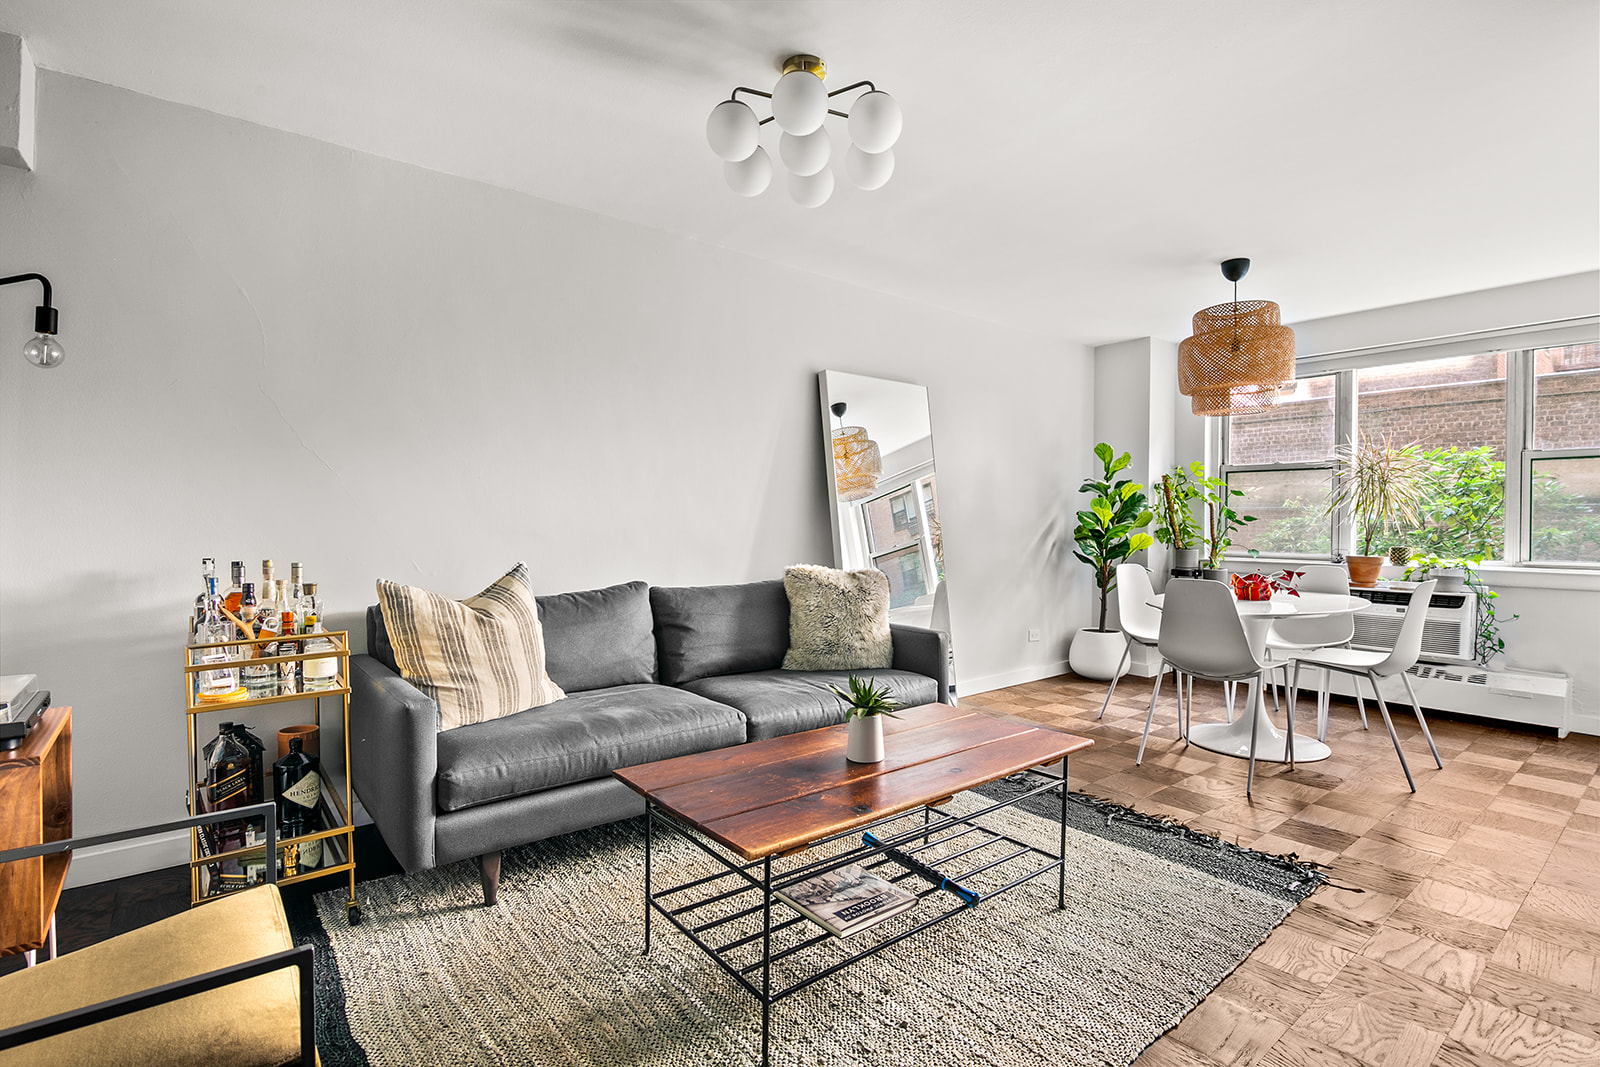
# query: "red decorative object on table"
1262 587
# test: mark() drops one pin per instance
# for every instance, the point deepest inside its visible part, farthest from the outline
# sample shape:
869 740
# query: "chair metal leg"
1127 652
1294 698
1384 710
1323 692
1227 691
1188 716
1360 704
1151 715
1266 679
1289 734
1177 691
1416 706
1250 698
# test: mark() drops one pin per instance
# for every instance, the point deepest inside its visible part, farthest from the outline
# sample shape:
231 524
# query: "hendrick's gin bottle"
297 788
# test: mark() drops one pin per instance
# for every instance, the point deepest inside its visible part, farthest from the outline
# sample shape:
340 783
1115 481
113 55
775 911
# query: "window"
902 534
1282 460
1513 439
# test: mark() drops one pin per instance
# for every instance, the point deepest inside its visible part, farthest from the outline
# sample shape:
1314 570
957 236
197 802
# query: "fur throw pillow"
838 620
480 658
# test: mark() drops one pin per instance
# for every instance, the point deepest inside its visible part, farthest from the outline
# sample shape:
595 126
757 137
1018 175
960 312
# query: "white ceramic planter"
865 742
1097 655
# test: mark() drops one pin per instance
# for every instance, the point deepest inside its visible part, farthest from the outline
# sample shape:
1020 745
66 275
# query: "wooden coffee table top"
769 797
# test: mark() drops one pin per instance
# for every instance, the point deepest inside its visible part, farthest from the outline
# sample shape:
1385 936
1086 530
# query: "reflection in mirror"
885 502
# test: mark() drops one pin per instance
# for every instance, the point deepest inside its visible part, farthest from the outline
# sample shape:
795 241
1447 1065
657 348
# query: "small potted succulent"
867 702
1382 484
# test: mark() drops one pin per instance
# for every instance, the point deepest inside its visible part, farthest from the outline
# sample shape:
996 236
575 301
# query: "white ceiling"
1071 167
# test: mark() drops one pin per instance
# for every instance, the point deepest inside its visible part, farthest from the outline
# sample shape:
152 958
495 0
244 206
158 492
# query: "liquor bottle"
289 625
316 674
297 788
227 785
265 588
223 682
260 680
234 597
208 572
258 763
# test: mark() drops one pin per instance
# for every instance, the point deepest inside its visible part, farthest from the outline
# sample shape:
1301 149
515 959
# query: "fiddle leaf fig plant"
1112 527
1221 518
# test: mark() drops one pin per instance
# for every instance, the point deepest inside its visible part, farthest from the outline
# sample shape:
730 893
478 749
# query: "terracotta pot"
865 741
1364 569
310 739
1097 655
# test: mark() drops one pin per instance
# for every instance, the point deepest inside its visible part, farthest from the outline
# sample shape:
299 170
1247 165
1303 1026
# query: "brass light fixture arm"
768 96
44 316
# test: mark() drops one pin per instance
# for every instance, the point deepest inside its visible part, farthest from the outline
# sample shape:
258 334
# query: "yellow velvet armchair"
212 985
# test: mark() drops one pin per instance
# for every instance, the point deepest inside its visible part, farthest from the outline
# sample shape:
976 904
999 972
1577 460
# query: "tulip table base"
1233 739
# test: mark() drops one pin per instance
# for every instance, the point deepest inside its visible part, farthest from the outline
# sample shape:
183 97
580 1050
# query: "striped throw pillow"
480 658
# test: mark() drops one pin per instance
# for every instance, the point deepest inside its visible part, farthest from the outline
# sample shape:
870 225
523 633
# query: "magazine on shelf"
846 901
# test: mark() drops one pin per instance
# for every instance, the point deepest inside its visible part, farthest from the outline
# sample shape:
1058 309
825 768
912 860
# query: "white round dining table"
1233 738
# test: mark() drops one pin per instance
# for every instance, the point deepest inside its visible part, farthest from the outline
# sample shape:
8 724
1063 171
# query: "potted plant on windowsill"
1175 524
1382 484
1221 520
1108 532
1457 572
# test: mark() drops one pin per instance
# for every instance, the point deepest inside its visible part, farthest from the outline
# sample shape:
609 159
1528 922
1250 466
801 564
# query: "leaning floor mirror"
885 500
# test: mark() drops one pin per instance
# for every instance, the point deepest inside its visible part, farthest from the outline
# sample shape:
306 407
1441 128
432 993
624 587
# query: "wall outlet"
1033 635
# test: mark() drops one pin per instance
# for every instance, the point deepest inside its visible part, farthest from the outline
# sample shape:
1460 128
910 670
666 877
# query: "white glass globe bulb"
875 122
811 190
749 176
805 155
732 130
44 351
799 102
868 170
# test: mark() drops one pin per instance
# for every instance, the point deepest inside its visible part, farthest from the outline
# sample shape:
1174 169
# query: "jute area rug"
1156 916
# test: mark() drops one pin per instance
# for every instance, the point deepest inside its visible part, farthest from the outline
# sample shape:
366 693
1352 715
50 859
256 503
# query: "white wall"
277 347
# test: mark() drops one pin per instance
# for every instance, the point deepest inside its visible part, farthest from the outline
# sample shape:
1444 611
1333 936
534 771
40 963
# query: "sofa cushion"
838 620
781 702
720 629
479 658
592 639
599 638
586 736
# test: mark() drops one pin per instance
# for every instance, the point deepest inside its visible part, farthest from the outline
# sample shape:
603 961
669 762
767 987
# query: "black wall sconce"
44 350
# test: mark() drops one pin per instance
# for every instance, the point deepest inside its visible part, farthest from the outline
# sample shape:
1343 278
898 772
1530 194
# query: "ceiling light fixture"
857 463
1240 354
44 350
799 104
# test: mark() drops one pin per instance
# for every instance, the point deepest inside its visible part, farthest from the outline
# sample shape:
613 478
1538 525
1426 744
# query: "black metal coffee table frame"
900 847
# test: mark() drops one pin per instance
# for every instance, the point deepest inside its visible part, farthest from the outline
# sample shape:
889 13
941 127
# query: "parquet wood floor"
1476 937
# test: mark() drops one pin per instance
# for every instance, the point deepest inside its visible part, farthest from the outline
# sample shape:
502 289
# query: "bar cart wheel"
352 914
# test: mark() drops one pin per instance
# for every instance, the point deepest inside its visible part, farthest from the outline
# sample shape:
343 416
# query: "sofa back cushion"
599 638
703 631
592 640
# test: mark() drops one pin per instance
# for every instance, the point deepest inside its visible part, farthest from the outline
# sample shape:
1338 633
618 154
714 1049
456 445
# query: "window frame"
1521 396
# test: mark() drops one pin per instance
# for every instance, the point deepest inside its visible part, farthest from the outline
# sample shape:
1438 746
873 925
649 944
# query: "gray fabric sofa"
649 673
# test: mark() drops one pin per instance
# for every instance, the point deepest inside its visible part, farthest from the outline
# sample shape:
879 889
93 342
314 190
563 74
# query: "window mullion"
1519 423
1344 431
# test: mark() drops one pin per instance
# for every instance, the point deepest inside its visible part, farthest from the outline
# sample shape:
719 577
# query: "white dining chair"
1376 666
1203 636
1141 625
1292 635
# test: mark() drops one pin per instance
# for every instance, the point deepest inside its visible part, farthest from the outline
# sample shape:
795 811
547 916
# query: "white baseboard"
990 682
108 862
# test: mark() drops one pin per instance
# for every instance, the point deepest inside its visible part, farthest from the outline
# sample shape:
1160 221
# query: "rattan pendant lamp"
857 463
1239 355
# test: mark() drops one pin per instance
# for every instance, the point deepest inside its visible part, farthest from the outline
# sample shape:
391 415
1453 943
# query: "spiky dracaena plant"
1381 483
866 697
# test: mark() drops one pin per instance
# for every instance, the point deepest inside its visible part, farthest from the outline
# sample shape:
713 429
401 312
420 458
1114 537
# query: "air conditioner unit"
1448 635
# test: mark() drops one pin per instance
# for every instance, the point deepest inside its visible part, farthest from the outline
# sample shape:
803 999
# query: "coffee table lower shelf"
899 848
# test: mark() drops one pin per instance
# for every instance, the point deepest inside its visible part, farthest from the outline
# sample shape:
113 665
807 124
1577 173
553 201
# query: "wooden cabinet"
35 807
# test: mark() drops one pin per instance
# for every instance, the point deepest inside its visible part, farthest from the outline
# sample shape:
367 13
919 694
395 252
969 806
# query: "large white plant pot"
1097 655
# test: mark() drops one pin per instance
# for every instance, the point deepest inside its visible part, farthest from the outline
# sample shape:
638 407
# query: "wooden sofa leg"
489 871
